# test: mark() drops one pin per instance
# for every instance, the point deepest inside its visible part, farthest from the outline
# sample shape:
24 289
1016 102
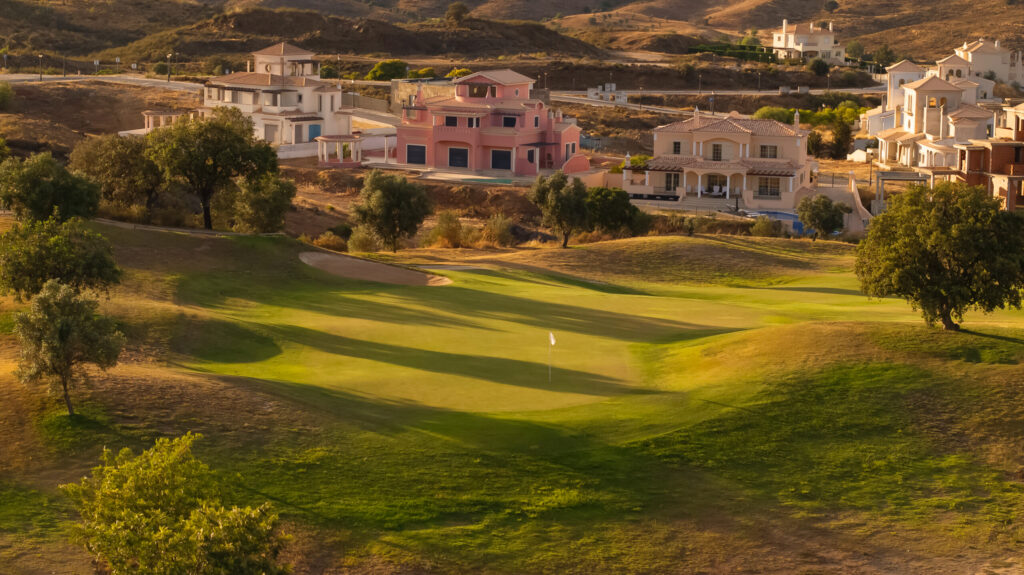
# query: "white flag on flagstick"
552 336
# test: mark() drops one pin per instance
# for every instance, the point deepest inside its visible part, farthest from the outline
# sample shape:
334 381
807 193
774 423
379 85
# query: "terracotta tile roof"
263 79
504 77
754 166
970 111
954 60
805 28
283 49
713 124
932 83
983 46
965 83
904 66
892 134
448 102
908 138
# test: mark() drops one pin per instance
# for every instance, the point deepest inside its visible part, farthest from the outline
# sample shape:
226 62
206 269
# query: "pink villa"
490 124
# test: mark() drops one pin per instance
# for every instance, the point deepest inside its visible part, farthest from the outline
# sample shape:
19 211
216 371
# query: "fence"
353 100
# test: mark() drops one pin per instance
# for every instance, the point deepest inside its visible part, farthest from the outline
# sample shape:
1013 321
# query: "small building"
808 41
607 93
490 124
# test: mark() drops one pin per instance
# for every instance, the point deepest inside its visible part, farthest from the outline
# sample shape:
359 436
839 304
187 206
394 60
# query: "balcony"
1015 169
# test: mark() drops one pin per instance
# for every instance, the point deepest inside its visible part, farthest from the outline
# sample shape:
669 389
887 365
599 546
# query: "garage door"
416 155
501 159
458 158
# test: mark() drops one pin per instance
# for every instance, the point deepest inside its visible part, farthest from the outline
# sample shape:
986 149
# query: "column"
515 150
647 178
386 154
699 189
684 182
791 184
694 148
728 182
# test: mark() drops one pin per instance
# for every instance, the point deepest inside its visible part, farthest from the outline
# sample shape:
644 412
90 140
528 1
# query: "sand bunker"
359 269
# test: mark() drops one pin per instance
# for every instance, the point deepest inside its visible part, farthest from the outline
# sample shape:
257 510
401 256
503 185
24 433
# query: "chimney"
784 24
942 122
812 26
830 28
997 43
796 119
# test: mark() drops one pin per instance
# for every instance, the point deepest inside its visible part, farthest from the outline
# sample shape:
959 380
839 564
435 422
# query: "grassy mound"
746 419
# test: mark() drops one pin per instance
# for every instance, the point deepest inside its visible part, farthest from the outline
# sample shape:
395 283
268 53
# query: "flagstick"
549 361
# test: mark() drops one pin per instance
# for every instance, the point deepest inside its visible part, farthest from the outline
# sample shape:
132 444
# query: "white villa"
989 56
806 42
290 106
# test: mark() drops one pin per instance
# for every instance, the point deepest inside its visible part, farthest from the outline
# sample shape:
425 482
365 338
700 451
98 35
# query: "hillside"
715 405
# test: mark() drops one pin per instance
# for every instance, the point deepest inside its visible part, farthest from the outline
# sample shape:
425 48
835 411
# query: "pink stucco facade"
490 125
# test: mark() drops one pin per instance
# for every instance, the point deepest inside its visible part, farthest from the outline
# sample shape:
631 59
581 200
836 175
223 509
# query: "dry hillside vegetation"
56 116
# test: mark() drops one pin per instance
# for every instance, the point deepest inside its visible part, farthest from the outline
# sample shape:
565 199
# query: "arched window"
959 73
902 81
931 102
942 101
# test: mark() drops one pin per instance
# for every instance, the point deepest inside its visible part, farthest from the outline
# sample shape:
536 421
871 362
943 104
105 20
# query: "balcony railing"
1015 169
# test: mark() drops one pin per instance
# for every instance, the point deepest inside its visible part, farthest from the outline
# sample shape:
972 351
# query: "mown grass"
683 420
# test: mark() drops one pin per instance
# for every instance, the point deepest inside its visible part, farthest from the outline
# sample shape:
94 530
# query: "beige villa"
761 164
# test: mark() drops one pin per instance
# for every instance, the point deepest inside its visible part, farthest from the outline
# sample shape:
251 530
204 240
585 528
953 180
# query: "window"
769 151
959 74
508 121
677 147
332 102
300 98
478 90
716 152
671 181
942 101
530 155
451 121
574 147
768 187
517 91
501 159
902 81
536 121
473 122
319 103
932 102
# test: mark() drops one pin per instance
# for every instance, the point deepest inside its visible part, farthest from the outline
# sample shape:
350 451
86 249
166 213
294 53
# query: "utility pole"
40 67
168 68
700 81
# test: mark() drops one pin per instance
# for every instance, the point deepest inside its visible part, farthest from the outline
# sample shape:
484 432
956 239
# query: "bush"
388 70
260 205
818 66
342 230
458 73
423 73
6 97
498 231
328 72
362 240
331 241
767 227
160 69
448 231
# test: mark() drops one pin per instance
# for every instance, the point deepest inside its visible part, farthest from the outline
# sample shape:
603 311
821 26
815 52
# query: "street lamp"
40 67
641 99
759 81
169 67
700 79
828 87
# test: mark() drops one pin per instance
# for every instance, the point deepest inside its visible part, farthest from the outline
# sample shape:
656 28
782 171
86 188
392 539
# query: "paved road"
117 79
567 99
869 90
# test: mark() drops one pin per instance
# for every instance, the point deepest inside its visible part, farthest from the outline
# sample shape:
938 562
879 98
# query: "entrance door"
671 181
298 134
270 133
314 132
501 159
416 155
458 158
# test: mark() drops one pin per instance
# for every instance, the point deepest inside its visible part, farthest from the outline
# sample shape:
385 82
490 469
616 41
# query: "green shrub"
448 231
342 230
767 227
362 240
388 70
6 97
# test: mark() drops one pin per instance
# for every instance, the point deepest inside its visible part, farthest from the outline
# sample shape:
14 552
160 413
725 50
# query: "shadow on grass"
495 369
821 290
